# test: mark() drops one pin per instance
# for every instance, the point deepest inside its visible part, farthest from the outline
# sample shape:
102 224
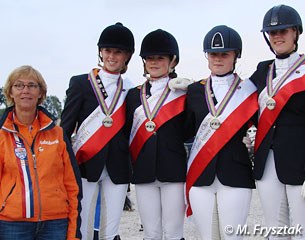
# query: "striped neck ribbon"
272 91
208 96
151 115
100 97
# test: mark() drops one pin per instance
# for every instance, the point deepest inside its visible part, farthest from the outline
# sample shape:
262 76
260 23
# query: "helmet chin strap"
100 62
145 74
172 62
268 42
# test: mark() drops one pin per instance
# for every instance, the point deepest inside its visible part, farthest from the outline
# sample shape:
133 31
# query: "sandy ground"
130 223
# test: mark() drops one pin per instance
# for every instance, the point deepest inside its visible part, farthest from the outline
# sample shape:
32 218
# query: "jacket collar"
45 118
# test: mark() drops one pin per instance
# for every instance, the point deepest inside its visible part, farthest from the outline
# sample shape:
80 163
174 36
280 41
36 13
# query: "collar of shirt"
107 78
282 65
221 85
158 85
109 81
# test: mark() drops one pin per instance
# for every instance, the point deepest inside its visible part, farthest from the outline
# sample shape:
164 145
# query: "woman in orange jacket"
40 187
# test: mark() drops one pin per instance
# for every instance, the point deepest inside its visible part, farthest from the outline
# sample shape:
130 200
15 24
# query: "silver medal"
215 123
107 121
271 103
150 126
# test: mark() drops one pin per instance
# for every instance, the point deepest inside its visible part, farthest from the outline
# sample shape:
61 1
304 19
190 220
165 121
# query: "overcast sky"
59 37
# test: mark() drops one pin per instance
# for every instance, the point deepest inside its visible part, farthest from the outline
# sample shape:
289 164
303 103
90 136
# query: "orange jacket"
38 181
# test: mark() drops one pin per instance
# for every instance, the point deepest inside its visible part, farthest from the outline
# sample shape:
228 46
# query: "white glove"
303 190
179 83
247 141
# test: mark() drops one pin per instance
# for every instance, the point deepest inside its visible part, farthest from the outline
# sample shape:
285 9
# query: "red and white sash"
294 83
92 136
173 105
208 142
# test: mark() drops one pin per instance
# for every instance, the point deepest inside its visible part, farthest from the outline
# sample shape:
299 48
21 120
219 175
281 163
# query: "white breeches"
161 208
111 209
217 206
282 204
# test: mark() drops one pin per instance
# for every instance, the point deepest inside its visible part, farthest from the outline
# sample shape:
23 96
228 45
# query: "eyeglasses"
278 32
31 86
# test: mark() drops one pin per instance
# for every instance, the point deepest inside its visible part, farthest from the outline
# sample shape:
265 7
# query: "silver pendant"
150 126
215 123
107 121
271 103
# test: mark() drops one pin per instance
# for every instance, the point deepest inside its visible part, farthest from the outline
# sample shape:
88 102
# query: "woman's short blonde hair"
28 72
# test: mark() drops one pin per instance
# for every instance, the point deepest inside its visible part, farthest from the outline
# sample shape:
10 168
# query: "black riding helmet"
159 42
117 36
222 39
282 17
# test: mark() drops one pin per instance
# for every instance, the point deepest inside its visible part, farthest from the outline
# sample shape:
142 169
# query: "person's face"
221 62
114 59
282 41
26 93
158 66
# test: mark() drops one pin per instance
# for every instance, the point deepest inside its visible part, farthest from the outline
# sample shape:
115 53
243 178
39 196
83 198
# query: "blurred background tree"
2 102
53 105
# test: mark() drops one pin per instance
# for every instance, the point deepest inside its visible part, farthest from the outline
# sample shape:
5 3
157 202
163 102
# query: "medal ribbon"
151 115
99 94
271 92
208 96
